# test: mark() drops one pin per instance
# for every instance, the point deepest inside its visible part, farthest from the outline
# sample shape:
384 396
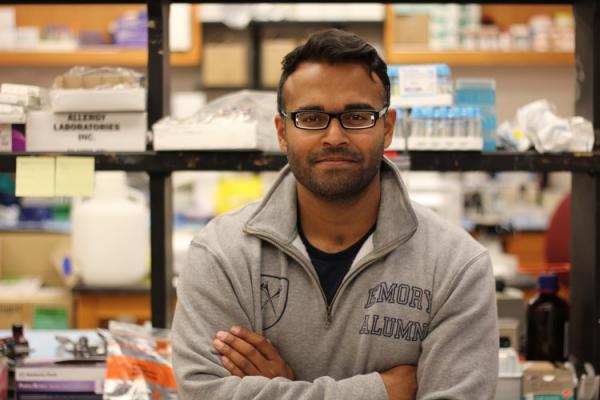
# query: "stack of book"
60 379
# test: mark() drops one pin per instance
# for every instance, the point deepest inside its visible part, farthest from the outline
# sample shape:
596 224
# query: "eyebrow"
347 107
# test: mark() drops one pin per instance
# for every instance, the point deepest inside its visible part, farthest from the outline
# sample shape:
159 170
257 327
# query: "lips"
333 157
336 159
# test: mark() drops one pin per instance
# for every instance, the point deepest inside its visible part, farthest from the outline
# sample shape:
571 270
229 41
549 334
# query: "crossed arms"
245 353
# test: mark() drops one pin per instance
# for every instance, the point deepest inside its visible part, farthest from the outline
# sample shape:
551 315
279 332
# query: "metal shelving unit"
170 161
585 169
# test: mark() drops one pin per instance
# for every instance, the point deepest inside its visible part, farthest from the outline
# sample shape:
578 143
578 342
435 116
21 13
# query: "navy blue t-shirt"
332 267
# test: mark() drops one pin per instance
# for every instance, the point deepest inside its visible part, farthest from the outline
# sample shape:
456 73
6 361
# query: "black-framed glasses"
352 119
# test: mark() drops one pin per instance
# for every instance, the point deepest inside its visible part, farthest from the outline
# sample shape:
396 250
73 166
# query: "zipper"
329 308
347 279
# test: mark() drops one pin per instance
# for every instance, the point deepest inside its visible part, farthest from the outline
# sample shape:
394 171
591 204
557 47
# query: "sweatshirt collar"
276 215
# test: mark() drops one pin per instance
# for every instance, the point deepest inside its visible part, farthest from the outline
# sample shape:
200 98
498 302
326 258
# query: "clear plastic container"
444 79
428 122
417 127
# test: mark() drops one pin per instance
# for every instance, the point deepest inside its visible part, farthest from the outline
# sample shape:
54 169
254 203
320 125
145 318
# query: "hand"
245 353
400 382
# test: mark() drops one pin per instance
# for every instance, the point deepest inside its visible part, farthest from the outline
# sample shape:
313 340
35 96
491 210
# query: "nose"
335 134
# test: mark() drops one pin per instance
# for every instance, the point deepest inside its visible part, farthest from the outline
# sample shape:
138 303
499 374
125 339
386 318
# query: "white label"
418 80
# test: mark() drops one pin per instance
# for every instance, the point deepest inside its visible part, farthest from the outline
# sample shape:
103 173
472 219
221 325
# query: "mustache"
330 152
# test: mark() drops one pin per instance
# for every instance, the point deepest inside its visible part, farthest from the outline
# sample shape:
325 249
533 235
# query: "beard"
336 183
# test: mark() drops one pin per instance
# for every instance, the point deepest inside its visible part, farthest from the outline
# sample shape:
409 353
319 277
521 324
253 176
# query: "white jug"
110 233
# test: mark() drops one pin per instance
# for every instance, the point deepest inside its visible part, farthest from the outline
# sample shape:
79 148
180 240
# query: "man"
335 286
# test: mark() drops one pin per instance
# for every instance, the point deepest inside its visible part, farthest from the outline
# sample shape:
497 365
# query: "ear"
390 123
280 128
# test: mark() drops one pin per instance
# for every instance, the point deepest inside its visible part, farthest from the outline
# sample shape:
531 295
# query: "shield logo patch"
273 298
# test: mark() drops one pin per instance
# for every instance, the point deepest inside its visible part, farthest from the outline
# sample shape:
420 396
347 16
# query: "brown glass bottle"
547 319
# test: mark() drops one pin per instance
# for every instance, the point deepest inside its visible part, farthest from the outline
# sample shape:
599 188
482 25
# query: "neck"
334 225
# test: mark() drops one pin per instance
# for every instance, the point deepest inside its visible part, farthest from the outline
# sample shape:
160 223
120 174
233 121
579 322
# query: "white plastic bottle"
110 233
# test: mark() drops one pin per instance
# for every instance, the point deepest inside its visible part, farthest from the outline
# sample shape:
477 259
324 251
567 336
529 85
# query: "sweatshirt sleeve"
211 299
459 358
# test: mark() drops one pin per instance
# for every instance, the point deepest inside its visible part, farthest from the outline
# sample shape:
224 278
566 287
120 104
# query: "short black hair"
334 46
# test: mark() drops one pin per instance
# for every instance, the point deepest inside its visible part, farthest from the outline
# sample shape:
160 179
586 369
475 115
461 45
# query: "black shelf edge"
170 161
504 161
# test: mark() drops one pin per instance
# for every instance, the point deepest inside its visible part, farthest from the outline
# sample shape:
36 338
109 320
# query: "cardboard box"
542 380
94 100
47 308
47 131
17 259
411 31
225 65
273 51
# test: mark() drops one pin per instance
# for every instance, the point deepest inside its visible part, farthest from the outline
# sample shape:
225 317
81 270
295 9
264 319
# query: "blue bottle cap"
442 69
548 283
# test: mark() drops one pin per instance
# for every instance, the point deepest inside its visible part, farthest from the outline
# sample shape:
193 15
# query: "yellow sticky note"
35 176
74 176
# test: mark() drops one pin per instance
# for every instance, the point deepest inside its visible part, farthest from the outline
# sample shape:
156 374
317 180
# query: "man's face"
334 163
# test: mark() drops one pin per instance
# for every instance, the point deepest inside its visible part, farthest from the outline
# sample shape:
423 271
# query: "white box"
438 100
215 136
450 143
102 100
510 375
14 118
8 18
16 88
180 27
23 100
8 39
48 131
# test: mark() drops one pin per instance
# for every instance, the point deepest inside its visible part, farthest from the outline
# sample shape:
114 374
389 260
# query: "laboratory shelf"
108 55
480 58
170 161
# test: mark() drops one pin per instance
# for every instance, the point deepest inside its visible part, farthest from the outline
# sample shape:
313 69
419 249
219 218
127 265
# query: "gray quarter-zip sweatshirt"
420 292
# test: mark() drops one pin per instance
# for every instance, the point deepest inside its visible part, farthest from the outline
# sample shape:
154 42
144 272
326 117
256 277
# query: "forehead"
332 86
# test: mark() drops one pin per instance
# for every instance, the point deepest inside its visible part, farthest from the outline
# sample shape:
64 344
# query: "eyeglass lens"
349 119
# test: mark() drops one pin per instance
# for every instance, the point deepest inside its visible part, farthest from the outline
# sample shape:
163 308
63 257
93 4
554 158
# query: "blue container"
480 93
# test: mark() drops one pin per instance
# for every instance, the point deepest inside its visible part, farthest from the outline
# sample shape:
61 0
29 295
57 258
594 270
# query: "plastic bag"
512 137
138 363
537 123
80 77
239 120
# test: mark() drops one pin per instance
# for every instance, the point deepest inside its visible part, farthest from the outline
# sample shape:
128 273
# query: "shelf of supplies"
419 53
168 161
97 19
93 56
480 58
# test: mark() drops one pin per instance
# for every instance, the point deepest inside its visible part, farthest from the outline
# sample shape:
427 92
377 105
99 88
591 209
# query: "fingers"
239 359
250 354
231 367
264 346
